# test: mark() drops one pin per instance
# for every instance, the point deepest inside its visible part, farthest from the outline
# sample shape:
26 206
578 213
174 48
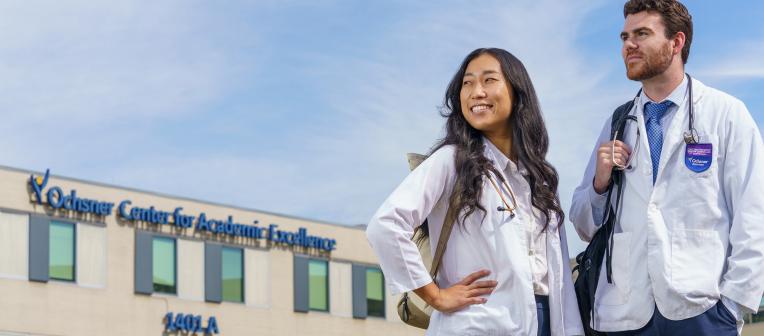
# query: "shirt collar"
676 96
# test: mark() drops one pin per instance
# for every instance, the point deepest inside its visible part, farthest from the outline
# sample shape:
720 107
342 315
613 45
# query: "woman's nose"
478 92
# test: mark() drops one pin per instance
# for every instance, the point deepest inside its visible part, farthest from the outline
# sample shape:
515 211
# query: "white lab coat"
498 244
692 237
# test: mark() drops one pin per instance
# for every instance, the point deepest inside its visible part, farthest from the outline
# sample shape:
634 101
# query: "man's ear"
678 40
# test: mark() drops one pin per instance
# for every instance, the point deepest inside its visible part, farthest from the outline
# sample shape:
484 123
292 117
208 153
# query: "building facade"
83 258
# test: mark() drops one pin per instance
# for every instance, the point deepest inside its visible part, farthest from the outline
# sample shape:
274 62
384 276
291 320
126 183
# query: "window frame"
326 286
384 298
73 225
174 261
243 274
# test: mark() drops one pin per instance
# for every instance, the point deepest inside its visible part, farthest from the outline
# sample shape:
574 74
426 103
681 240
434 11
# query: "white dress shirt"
692 238
490 240
515 175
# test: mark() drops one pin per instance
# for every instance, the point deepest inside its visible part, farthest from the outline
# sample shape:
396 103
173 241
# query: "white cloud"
742 61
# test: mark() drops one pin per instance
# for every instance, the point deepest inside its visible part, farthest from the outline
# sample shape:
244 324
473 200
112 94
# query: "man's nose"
629 44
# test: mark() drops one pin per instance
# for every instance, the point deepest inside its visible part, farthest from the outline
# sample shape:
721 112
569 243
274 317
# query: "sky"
307 108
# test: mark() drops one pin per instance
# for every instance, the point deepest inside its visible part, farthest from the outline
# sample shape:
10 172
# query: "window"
61 252
163 266
233 275
375 292
318 285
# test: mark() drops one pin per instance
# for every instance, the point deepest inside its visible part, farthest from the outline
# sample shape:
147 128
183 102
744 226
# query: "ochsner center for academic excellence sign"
57 198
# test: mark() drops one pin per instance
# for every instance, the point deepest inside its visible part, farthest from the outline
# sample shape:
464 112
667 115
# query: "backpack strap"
617 124
445 232
618 120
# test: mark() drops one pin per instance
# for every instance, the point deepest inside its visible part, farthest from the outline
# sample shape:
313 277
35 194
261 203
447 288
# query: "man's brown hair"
675 17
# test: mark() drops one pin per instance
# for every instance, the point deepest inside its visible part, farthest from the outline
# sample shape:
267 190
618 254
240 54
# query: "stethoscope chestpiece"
691 136
511 213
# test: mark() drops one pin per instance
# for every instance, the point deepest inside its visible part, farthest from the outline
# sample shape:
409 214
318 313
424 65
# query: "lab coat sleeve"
588 207
571 316
743 185
390 230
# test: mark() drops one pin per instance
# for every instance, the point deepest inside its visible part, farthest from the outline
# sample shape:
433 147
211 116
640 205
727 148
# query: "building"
83 258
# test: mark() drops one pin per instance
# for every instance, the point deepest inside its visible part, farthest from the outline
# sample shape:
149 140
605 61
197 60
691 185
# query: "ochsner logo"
57 199
38 184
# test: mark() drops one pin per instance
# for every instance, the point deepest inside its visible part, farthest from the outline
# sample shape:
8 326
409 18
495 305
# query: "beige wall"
756 329
190 270
257 281
91 256
104 303
341 289
14 244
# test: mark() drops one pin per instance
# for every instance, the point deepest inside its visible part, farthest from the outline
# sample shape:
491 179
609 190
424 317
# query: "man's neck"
659 87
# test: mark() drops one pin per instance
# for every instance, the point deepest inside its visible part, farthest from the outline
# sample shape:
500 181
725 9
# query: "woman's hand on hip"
466 292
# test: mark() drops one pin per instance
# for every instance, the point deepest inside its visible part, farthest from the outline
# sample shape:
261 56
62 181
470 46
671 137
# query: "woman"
505 270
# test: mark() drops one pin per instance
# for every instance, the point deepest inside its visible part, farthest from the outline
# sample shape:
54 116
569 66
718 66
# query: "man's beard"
651 65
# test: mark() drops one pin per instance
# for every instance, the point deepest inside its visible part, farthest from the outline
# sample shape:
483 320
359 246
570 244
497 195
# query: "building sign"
190 324
56 198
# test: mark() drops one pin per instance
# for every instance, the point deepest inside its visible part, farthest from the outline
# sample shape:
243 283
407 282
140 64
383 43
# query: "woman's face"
485 99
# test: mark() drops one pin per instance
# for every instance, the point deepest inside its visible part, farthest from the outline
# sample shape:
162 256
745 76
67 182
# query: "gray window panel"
144 267
213 269
359 292
39 248
301 303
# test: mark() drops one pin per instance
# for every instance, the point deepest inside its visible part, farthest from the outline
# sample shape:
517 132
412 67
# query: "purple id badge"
697 157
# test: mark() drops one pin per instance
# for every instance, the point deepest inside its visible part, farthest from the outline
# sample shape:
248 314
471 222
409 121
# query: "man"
688 246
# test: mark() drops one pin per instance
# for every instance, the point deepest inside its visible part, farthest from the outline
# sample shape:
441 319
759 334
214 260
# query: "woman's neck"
502 141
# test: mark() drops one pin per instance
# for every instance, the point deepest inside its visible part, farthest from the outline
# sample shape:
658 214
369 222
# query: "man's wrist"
599 189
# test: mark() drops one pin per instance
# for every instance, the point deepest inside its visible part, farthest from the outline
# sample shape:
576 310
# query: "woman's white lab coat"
499 244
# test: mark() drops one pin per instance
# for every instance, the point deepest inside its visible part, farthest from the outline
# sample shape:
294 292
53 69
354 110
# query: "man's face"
646 51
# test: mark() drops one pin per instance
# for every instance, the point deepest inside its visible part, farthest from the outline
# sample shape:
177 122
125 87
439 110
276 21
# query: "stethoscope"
690 135
506 207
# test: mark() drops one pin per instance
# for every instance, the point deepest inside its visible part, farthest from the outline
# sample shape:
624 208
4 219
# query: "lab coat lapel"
638 179
673 140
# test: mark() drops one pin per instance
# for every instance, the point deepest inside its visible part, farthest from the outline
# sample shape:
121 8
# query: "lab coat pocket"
711 139
697 258
616 293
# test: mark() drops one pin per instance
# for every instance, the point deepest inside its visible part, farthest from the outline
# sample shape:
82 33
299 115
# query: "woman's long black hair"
529 142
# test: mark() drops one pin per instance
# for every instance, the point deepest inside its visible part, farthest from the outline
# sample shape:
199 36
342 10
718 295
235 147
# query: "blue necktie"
654 112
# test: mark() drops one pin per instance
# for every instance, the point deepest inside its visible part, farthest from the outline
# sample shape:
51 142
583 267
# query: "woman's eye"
491 80
466 83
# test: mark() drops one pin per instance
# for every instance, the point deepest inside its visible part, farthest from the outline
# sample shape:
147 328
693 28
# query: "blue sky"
307 108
